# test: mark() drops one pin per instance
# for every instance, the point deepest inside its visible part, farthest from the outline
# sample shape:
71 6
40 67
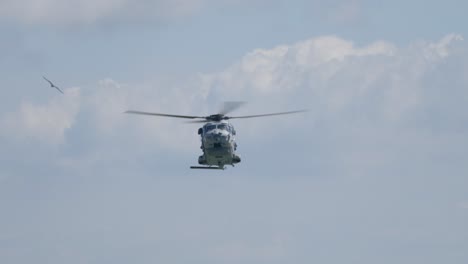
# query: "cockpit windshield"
222 127
209 128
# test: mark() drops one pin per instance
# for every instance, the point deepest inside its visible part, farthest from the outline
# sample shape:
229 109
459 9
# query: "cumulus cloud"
335 74
330 75
370 92
111 99
286 66
441 49
46 123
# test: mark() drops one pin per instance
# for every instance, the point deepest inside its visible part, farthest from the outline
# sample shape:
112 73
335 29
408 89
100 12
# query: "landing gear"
206 168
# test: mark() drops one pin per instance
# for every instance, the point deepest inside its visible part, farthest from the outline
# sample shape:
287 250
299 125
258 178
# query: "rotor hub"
216 117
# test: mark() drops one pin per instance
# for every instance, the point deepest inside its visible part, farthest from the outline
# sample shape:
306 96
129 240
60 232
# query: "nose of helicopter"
218 137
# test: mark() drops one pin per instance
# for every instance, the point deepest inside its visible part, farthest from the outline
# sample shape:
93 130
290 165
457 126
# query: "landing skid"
206 168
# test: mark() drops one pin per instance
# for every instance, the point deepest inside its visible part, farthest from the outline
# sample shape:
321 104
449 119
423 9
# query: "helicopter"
218 141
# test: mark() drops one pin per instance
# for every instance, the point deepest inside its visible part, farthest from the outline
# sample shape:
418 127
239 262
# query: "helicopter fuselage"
218 144
218 141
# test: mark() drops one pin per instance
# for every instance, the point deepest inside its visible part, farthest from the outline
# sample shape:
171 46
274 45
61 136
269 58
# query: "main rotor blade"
158 114
230 106
272 114
197 121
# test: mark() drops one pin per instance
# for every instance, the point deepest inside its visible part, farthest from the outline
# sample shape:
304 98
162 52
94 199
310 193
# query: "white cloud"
111 99
326 74
369 92
272 70
46 123
331 76
441 49
335 74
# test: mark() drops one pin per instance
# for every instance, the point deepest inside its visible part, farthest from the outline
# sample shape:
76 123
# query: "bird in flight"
52 85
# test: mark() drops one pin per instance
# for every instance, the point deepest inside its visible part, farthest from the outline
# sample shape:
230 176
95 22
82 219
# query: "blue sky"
375 172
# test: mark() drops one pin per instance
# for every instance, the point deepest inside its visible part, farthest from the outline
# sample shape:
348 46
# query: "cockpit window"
222 127
210 127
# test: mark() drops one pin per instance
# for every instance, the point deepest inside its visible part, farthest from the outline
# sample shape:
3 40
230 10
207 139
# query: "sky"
374 172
